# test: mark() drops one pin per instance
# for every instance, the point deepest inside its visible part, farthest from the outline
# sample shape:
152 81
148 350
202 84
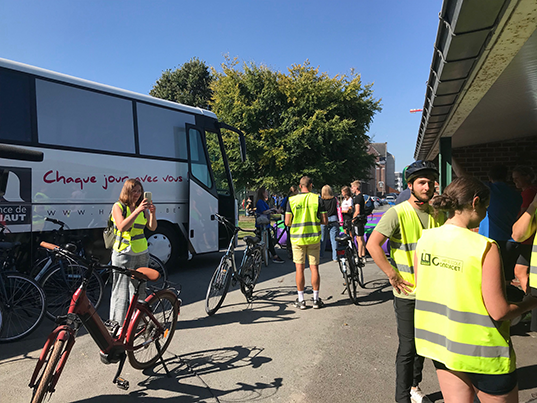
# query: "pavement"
266 350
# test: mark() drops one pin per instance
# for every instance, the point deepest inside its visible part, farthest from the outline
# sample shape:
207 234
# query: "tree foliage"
188 84
300 123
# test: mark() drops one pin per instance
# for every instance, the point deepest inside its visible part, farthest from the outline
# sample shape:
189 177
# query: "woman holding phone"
131 214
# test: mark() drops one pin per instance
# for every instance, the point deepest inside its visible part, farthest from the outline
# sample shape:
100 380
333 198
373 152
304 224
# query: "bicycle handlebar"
223 220
55 221
142 273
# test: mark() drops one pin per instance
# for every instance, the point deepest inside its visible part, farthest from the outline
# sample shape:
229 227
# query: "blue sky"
127 44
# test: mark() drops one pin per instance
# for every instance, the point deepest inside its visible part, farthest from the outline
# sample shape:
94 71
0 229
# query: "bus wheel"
164 244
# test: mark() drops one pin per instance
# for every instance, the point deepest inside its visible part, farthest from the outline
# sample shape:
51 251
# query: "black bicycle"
22 300
350 264
227 272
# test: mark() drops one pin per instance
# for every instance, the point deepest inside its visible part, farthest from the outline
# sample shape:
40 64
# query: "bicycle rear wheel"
250 272
351 279
43 385
23 305
218 287
145 336
61 282
156 264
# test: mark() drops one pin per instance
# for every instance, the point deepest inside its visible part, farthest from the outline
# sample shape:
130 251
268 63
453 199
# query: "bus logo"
16 201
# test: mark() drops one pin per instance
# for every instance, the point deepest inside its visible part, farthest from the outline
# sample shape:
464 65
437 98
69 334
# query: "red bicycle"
146 333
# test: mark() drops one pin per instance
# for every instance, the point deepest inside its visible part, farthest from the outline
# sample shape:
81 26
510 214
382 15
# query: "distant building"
399 181
382 175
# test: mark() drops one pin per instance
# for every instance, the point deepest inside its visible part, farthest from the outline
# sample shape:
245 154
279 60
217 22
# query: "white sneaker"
417 396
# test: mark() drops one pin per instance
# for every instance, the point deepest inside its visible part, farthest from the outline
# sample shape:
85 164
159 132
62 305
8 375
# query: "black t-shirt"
330 206
359 199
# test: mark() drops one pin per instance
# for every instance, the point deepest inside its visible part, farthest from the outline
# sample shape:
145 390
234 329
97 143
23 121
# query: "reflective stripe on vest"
451 321
306 227
402 250
134 236
533 266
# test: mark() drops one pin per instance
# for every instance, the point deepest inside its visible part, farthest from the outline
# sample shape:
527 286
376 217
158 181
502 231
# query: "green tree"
300 123
188 84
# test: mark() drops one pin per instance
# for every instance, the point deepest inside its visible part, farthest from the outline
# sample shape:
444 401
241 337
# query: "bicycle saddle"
145 274
251 240
8 245
343 238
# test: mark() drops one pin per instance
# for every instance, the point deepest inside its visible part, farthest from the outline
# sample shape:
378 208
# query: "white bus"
93 137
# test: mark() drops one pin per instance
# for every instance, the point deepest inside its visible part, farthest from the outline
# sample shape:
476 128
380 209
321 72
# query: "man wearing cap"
403 225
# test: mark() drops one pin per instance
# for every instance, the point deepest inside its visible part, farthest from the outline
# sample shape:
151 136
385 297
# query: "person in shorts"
304 215
462 317
359 218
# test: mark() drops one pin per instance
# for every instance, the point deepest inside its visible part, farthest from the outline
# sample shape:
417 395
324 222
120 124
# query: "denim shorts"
493 384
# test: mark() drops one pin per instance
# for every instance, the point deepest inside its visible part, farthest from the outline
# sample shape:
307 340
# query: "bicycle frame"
82 312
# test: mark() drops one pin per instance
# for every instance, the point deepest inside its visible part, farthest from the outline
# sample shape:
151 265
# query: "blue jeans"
332 229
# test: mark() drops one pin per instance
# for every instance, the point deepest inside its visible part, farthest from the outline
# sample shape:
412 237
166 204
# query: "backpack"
369 206
108 232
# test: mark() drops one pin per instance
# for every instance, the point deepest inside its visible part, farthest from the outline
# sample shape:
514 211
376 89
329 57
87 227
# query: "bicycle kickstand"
121 382
157 345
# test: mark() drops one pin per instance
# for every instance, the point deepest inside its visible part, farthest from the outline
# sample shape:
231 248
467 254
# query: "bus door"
203 199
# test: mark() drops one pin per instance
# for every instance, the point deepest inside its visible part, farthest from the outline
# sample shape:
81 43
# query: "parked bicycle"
350 264
146 333
22 300
60 276
227 272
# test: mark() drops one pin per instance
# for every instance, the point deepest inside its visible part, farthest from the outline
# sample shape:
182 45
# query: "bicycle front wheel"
218 287
43 385
156 264
23 304
148 341
265 240
360 274
61 282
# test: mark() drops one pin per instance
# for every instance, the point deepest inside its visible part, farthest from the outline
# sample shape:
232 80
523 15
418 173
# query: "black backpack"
108 233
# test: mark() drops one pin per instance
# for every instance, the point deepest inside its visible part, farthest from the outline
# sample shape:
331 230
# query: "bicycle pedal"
122 383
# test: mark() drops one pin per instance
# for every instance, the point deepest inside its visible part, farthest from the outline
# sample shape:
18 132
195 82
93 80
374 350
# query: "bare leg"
511 397
455 386
361 246
315 277
300 281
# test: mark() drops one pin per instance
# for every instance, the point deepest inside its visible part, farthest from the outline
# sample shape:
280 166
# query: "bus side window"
198 161
217 164
15 110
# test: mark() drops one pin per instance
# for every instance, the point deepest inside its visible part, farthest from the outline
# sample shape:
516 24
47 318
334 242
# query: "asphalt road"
264 351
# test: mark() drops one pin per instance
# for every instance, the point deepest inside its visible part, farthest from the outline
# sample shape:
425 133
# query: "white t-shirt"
346 204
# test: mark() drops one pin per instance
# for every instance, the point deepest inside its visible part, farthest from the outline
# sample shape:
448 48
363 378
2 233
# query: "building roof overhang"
482 85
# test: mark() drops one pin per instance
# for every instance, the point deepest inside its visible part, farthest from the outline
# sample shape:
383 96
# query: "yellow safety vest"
134 236
451 322
306 226
533 262
402 250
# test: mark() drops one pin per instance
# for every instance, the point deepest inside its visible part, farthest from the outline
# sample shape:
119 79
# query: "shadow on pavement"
264 308
186 384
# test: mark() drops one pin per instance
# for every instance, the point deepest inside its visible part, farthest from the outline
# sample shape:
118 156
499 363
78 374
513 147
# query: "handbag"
108 233
262 220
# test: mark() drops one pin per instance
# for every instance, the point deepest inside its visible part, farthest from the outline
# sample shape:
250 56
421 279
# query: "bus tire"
164 243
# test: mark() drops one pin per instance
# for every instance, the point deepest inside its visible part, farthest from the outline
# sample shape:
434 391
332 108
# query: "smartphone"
148 196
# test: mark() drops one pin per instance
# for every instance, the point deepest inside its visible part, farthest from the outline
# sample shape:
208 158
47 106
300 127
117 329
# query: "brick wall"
478 159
